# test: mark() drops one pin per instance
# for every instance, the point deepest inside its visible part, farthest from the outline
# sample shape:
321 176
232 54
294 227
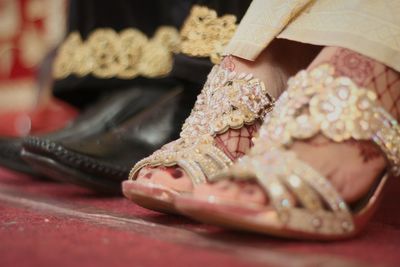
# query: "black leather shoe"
101 161
110 111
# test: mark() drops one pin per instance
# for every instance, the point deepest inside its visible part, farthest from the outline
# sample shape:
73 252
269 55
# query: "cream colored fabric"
370 27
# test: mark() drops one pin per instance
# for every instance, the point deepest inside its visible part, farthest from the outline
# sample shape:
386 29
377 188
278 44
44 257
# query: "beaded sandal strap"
315 103
228 101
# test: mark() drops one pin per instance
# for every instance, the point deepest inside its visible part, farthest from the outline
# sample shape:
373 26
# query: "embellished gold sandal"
302 203
228 101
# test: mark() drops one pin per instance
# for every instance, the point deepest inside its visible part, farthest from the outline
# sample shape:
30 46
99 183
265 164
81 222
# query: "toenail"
176 173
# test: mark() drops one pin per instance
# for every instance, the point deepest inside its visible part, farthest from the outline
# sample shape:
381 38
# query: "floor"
44 223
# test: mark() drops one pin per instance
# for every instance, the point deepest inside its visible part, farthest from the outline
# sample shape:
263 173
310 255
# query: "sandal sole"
227 216
150 197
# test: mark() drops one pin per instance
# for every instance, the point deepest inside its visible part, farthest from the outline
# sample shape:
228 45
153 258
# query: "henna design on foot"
353 65
368 151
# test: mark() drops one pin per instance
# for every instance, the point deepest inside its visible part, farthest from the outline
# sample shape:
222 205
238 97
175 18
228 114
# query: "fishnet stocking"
236 143
386 83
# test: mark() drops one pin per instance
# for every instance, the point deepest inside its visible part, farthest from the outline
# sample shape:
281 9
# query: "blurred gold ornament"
130 53
124 55
204 34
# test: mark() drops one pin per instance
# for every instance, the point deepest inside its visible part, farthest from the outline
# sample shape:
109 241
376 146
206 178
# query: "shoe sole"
18 167
57 171
150 197
224 215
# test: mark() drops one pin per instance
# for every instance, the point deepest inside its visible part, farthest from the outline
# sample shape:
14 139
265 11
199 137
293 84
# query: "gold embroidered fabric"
204 34
129 53
367 27
125 55
228 100
315 102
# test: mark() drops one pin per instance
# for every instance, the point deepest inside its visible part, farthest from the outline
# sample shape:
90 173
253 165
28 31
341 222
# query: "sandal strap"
315 103
303 199
228 101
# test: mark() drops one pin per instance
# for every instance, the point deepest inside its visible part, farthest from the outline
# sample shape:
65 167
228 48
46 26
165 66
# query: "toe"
172 178
223 189
252 193
145 174
246 192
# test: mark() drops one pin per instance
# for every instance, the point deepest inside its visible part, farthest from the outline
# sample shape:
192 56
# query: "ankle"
272 77
279 61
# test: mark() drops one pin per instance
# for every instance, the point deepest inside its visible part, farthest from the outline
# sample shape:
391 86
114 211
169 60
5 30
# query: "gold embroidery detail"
204 34
336 107
125 55
228 100
128 54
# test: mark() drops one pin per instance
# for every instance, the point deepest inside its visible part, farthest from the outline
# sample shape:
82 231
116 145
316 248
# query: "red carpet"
43 223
